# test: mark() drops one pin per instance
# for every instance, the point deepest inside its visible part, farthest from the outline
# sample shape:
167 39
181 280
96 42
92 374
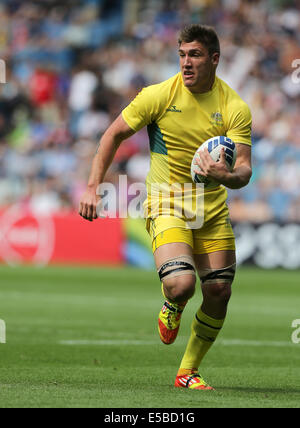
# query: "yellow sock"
204 332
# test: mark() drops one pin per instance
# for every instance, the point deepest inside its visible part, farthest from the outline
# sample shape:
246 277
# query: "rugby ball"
214 146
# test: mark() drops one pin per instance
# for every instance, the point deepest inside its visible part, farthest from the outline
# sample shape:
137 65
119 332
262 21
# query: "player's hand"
217 171
88 205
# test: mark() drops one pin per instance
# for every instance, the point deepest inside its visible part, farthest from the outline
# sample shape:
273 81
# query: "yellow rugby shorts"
214 236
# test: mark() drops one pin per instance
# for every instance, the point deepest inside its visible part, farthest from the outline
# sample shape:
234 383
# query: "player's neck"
203 87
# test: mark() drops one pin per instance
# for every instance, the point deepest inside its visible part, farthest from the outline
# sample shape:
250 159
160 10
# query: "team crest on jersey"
216 118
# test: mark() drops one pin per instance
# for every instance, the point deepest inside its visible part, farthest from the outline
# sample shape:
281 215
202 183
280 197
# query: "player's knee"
181 288
220 291
179 278
216 283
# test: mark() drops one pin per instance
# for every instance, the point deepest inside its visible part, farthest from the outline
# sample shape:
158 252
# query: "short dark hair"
203 34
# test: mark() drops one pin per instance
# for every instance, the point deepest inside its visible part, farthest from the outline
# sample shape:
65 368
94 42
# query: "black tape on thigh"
175 267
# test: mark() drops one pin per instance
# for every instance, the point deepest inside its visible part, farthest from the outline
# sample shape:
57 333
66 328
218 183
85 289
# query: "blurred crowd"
72 66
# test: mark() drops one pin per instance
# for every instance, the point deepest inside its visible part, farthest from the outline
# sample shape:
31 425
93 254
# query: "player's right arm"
118 131
143 110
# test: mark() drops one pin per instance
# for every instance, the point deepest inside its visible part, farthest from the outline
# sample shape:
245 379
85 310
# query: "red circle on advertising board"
26 237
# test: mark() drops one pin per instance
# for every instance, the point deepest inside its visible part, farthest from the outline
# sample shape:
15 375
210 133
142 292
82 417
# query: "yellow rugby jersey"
178 121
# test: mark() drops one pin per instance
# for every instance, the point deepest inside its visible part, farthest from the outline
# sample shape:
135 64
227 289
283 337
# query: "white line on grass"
241 342
221 342
108 342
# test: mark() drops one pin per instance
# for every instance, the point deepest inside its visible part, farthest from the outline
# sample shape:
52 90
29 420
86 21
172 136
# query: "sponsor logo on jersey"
173 109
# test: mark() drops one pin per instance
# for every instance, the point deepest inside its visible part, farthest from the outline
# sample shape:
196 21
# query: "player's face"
197 67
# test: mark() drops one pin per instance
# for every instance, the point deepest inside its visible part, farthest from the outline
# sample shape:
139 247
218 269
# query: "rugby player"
180 114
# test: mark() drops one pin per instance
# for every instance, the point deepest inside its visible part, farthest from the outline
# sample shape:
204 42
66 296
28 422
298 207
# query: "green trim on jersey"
157 143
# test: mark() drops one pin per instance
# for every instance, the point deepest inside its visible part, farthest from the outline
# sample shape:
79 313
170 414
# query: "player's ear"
215 58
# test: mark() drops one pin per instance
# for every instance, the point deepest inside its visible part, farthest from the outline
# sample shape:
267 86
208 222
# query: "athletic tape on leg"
219 276
181 265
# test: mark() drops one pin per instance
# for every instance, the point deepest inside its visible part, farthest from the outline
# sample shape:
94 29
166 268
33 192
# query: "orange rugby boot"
169 321
192 381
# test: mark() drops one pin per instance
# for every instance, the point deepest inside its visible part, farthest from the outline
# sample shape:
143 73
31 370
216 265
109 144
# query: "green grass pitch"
87 337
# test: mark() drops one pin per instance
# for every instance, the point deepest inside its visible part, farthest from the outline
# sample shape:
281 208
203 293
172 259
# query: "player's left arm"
235 179
242 171
238 124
